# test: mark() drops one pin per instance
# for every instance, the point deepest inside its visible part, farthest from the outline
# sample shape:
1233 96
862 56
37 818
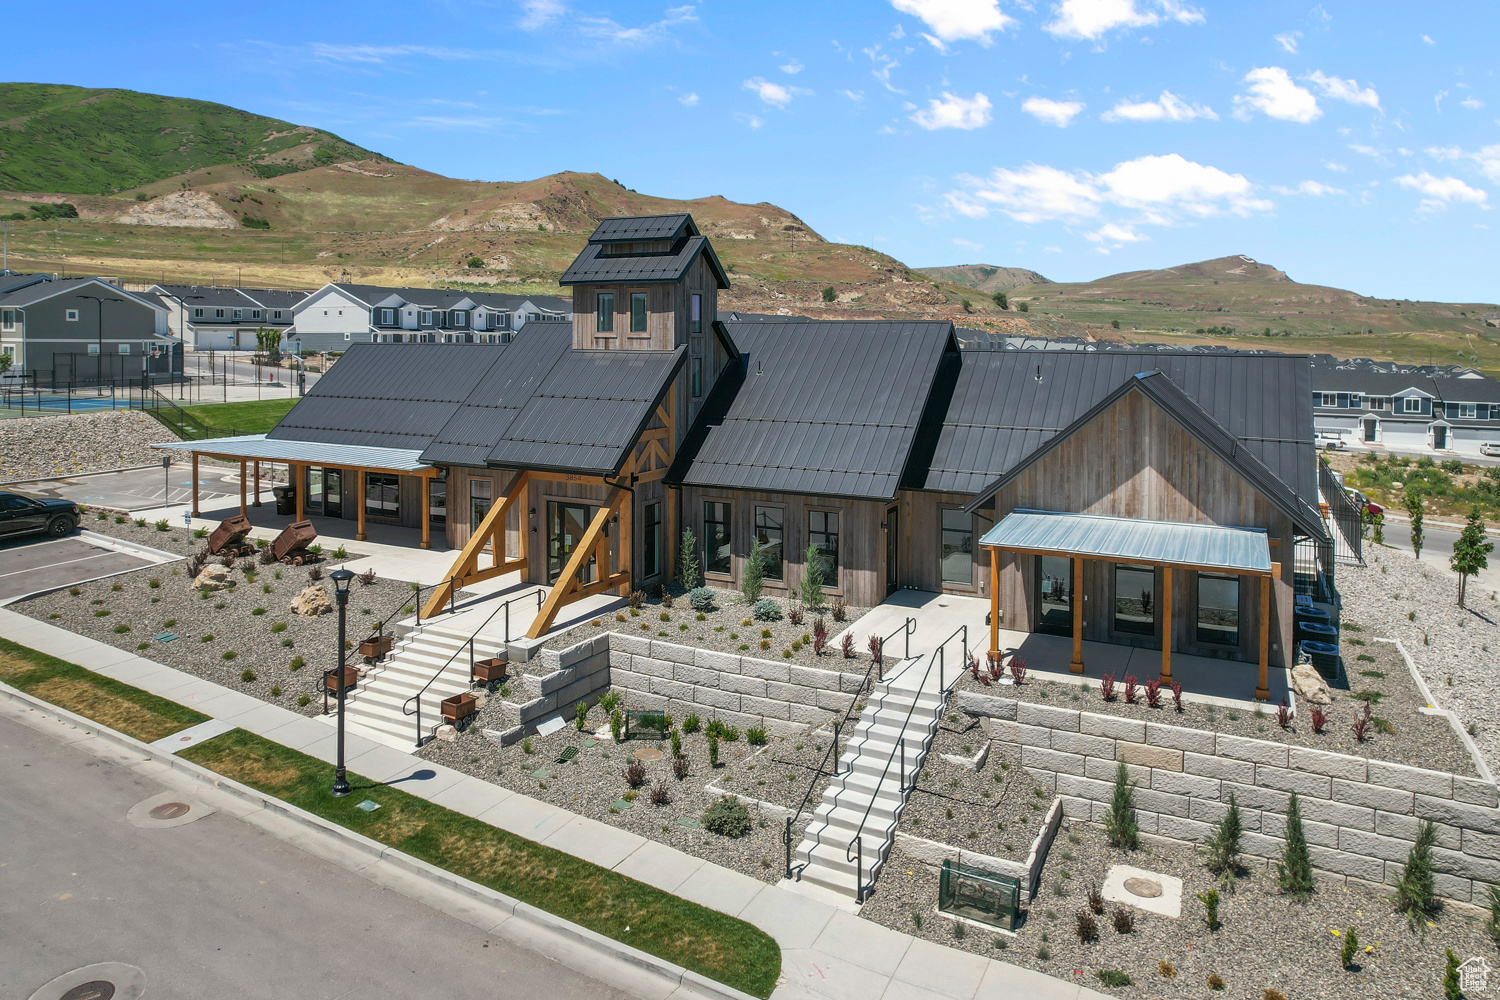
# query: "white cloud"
748 120
1169 107
609 30
1050 112
775 94
1091 20
1032 194
536 14
957 20
1440 192
1486 159
1273 93
1369 151
1337 168
1165 182
326 52
959 241
857 96
953 111
1472 103
1288 40
1344 90
792 68
1115 234
688 99
1313 189
1428 40
1437 100
883 66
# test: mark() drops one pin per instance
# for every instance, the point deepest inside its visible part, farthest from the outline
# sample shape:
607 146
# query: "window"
768 533
239 314
93 348
697 314
1135 600
697 377
717 555
276 314
823 535
651 540
637 312
460 318
437 503
481 492
387 317
1219 609
1328 399
124 348
346 336
72 315
382 495
499 320
426 318
605 306
255 314
1411 404
1467 410
8 319
198 312
1378 402
219 314
531 316
958 547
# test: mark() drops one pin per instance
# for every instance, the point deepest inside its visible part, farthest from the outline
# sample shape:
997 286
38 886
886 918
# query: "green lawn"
119 706
253 417
713 944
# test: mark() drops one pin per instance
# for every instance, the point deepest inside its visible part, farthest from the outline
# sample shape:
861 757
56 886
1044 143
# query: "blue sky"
1351 144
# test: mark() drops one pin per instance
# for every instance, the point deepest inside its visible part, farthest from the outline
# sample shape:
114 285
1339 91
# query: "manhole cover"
1143 887
648 754
99 989
167 810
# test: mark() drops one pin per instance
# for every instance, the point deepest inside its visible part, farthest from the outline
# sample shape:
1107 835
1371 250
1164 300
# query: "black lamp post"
341 578
101 299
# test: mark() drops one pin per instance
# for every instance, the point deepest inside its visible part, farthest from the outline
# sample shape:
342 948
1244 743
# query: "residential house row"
1423 410
58 332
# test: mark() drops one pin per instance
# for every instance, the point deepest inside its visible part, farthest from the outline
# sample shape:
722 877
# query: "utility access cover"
568 754
99 989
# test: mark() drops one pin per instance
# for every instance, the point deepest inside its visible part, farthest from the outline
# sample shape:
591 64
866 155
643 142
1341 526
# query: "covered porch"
1064 543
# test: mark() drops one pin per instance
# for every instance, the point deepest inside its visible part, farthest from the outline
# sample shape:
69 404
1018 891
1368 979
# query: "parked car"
1363 502
1490 448
24 516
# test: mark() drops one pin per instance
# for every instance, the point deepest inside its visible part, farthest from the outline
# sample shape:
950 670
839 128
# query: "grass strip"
123 708
255 416
710 943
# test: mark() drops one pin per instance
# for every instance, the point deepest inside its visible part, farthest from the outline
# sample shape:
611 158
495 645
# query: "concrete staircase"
374 709
866 798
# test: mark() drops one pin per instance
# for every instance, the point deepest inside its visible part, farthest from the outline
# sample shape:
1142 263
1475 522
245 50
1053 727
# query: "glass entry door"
333 492
566 523
314 502
892 551
1054 595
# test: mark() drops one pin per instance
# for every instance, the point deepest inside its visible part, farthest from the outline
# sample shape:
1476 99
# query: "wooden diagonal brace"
567 588
466 567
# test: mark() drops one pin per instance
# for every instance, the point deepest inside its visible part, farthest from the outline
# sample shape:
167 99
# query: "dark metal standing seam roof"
1001 413
823 408
591 267
642 228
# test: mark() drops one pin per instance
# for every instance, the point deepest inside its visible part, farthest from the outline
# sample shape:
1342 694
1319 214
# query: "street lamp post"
100 350
181 333
341 578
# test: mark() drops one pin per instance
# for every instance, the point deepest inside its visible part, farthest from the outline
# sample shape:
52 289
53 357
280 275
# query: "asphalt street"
35 563
1437 548
214 907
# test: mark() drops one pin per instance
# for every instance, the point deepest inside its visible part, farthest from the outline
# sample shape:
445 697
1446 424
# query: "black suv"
22 516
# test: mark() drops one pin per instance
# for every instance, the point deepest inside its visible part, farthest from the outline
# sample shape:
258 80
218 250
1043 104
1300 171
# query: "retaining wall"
1360 815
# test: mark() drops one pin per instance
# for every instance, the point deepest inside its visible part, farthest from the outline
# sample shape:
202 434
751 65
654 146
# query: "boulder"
1310 685
311 602
447 733
213 577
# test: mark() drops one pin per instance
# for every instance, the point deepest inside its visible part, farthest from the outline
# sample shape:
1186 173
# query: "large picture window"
437 503
717 555
382 495
637 312
768 522
651 540
697 314
958 547
1219 609
823 535
1135 600
481 494
605 312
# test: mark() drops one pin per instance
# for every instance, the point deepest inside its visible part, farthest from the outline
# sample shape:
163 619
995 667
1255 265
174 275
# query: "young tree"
1223 843
687 560
1119 823
1412 499
752 581
1416 893
829 294
1002 300
1294 870
812 577
5 362
1471 553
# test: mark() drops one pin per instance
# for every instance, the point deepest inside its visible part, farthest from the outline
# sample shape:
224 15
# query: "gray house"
224 319
83 331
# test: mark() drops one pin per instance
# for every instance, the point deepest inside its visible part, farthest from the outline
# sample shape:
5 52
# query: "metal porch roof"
1123 539
258 446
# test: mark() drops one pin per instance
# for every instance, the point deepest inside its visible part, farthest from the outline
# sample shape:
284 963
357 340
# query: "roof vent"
1038 373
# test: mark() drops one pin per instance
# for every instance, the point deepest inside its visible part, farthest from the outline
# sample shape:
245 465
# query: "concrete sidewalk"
827 954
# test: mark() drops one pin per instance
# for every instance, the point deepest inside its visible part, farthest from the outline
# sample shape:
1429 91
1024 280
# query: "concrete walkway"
827 954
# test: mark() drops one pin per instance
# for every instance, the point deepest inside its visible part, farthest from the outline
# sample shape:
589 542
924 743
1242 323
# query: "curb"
75 475
158 557
1463 734
694 982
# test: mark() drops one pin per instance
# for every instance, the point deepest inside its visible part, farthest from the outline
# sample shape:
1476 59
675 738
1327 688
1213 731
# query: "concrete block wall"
578 673
1360 815
1028 872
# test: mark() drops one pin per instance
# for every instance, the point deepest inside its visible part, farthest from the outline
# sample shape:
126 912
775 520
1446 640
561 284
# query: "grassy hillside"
55 138
986 278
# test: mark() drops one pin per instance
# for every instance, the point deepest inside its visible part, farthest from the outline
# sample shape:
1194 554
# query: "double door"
325 491
566 524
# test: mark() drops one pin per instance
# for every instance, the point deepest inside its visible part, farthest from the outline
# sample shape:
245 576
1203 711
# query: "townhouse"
337 316
83 331
209 317
1424 410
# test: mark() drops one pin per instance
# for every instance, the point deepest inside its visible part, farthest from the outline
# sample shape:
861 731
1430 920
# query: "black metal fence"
1344 518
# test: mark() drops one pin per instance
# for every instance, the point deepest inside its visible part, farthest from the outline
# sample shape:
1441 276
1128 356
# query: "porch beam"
466 567
1077 597
256 502
1166 625
567 589
1263 691
300 490
994 602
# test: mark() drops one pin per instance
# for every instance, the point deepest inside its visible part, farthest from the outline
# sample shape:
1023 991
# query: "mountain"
986 278
57 138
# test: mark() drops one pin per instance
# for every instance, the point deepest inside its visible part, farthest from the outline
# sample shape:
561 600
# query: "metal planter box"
488 671
351 679
459 707
229 534
376 647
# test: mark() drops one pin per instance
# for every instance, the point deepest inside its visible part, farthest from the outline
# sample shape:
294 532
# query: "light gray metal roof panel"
1122 539
259 446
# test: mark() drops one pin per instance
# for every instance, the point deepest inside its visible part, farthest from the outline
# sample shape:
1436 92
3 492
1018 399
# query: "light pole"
341 578
100 352
181 333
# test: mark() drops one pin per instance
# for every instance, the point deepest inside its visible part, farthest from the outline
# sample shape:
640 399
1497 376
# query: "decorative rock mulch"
37 447
996 809
1266 941
1399 733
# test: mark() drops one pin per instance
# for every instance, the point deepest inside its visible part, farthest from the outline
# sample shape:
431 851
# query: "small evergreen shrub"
1223 842
1113 977
755 736
728 817
766 610
691 724
1294 870
1416 894
1210 901
1350 947
1119 823
701 599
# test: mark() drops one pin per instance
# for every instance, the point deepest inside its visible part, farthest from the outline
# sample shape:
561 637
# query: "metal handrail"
417 698
909 626
379 633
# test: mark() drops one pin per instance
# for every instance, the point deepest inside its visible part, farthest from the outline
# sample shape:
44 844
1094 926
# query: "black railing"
1346 521
377 632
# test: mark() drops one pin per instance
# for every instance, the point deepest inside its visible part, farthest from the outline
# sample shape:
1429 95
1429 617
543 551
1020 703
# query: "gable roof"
641 228
444 298
593 267
10 281
32 294
1370 380
826 408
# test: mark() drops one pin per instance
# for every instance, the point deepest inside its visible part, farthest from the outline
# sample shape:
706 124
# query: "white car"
1490 448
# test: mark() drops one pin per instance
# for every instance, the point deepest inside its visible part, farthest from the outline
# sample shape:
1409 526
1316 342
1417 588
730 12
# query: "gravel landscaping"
36 447
1398 733
1397 596
996 809
729 627
1266 941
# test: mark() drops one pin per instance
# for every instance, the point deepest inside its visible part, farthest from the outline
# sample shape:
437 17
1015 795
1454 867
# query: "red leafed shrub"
1283 714
1319 718
635 774
1107 687
1017 670
974 667
875 649
1130 694
1361 724
995 666
1153 692
820 637
848 647
1177 695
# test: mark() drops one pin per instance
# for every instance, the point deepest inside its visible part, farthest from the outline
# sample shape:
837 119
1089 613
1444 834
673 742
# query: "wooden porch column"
1077 597
426 512
243 490
673 498
195 485
359 505
1263 692
256 501
994 602
299 486
1166 625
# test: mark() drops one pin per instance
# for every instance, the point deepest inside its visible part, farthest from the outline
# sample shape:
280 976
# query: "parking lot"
35 563
144 489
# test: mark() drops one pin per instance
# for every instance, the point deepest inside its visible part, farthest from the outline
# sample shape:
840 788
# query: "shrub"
679 767
692 724
1130 692
1361 725
1124 920
637 599
121 629
265 558
315 574
1350 947
635 774
820 636
877 652
162 525
258 611
103 613
247 675
276 691
1416 895
1294 870
1153 692
303 700
794 614
1166 969
1107 687
1283 714
847 647
1215 982
1088 927
1113 977
713 750
296 664
811 586
206 638
687 560
755 736
1492 926
580 716
1095 899
616 725
728 817
1451 988
701 599
1210 901
228 654
829 294
1319 718
766 610
1223 842
1177 695
75 591
665 616
676 744
840 610
1017 670
753 577
1119 823
475 262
